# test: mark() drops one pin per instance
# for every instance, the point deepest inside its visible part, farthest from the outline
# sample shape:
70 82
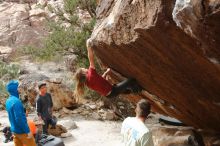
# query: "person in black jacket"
44 106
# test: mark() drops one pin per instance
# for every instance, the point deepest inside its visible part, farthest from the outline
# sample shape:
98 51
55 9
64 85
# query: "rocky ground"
90 124
88 132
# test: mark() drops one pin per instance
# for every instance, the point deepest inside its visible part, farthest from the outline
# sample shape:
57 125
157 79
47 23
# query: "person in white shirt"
134 131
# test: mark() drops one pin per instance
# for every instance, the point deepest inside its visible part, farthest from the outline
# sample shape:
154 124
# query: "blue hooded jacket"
15 110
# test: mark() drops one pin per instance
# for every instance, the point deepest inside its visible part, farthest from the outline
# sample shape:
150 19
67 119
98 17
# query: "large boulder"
176 136
171 48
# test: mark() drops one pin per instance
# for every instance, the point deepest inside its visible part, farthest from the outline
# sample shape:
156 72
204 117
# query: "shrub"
7 72
64 40
3 92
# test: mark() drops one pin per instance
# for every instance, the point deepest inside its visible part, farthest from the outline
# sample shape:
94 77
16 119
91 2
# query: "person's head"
143 109
42 86
80 79
12 88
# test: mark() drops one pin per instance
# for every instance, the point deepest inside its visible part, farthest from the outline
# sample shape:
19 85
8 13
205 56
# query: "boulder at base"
62 96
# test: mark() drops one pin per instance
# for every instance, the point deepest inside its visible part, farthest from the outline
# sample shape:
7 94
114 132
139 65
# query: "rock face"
171 48
23 21
17 25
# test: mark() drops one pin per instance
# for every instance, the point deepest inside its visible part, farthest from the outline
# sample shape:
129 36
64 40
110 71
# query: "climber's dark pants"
125 87
48 122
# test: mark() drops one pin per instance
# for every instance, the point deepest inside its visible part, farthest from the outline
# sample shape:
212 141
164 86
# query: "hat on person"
41 84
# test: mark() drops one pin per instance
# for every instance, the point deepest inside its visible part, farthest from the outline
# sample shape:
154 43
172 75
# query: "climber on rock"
90 78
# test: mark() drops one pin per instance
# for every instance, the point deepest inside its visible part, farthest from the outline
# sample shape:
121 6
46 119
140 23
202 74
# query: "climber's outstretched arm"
90 54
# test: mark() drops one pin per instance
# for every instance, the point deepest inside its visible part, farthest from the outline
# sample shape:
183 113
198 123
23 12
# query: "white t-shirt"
135 133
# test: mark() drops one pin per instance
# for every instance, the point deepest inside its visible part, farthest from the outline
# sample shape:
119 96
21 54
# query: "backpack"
8 135
48 140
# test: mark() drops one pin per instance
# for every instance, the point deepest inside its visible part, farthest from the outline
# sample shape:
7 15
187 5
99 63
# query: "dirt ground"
95 133
89 132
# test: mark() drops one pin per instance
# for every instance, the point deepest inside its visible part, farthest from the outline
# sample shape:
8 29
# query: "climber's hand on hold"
106 73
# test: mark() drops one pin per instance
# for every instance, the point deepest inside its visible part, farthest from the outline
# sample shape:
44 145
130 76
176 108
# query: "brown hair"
80 78
143 108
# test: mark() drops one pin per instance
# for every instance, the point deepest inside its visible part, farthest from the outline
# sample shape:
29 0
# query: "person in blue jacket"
17 117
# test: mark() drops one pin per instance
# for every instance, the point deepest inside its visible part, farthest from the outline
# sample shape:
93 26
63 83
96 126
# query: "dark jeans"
48 122
125 87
